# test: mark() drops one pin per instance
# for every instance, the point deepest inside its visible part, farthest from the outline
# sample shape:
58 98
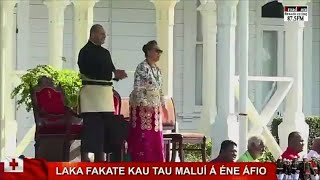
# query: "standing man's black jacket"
95 62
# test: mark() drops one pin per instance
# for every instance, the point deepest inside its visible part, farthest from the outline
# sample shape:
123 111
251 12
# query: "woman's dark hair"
147 47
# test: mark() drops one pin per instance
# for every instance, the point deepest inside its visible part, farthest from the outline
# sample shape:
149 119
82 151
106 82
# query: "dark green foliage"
267 156
195 156
314 128
68 79
274 128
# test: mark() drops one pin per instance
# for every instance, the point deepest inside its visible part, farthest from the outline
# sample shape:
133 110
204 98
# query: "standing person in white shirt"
315 149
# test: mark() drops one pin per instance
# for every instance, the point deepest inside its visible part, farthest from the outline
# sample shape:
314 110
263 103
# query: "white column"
82 22
189 70
56 23
294 119
308 72
23 36
7 121
226 125
209 32
243 65
164 24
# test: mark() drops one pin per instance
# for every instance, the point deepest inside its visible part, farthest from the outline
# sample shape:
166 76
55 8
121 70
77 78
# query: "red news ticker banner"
41 170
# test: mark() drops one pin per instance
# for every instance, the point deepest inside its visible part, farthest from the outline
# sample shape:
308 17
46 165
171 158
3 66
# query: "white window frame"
267 24
277 24
280 58
198 107
190 110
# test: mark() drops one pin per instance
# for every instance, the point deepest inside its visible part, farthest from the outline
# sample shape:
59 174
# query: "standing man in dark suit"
96 96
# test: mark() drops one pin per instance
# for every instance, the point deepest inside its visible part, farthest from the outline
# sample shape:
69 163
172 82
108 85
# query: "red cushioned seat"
117 102
56 124
50 101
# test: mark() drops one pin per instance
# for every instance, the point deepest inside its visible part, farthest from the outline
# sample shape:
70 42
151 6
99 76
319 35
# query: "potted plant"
69 80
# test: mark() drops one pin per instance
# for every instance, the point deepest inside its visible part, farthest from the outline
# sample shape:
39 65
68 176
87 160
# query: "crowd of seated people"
228 151
256 147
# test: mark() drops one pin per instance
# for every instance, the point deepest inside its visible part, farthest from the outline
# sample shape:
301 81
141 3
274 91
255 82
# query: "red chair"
117 102
56 125
181 139
121 124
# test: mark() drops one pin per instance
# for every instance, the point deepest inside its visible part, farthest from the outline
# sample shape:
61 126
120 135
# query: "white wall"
129 25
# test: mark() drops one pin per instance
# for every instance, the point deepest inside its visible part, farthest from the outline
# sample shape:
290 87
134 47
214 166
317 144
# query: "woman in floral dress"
145 142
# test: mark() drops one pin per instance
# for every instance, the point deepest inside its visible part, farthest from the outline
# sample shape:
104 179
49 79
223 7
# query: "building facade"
132 23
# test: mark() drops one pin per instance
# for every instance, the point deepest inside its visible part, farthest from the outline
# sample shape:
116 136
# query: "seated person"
295 146
255 150
228 152
315 149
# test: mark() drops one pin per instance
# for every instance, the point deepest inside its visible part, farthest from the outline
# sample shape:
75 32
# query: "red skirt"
145 143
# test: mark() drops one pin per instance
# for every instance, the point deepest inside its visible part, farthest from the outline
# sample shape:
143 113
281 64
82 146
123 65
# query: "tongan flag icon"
14 165
23 169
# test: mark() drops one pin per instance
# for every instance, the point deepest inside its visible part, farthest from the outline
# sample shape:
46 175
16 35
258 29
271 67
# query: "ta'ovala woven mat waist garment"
96 98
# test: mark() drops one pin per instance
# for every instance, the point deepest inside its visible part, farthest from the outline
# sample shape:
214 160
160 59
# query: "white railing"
260 121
